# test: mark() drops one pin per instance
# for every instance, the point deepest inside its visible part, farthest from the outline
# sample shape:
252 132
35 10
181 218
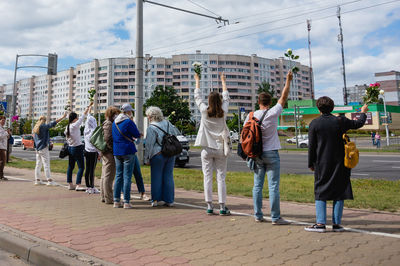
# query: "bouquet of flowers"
289 54
197 68
91 92
372 93
68 106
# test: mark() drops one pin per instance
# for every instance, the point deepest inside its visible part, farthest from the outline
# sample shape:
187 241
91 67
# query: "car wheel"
302 145
181 165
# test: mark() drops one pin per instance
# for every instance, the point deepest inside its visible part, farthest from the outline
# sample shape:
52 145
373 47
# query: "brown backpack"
251 136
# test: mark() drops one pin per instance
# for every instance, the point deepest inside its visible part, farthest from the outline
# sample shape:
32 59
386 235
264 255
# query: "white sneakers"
51 183
80 188
39 182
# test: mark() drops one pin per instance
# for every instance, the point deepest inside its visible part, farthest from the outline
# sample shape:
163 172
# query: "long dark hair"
215 105
72 116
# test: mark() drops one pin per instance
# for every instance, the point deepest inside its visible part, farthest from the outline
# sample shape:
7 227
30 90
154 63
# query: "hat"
127 107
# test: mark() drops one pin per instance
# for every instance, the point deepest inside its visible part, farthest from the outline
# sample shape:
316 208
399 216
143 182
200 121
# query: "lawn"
369 194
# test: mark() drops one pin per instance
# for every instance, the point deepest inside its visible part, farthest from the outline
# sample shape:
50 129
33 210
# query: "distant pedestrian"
373 138
269 161
4 135
75 148
213 137
377 140
9 147
41 136
91 155
107 157
326 158
161 166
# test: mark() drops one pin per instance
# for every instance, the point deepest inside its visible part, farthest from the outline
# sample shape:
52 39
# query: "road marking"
358 174
384 161
250 215
396 167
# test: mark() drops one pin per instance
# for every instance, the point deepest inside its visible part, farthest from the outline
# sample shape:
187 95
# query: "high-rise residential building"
114 81
390 83
356 93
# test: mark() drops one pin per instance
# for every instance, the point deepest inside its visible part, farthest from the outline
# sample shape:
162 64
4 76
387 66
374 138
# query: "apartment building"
114 81
356 93
390 83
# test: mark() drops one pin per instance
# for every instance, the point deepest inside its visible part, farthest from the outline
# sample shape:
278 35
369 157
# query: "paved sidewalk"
184 234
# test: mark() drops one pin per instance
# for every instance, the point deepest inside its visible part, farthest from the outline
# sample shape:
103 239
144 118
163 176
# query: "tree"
233 123
266 87
59 128
27 127
171 104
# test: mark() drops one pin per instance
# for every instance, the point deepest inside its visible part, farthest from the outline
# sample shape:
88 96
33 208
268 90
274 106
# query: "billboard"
356 116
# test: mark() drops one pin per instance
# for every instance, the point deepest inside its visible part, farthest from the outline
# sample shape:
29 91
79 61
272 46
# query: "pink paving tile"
145 252
150 259
130 263
176 260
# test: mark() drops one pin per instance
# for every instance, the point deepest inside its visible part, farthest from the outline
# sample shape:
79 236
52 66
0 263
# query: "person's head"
111 113
215 105
127 109
41 121
264 99
325 105
2 120
154 114
72 118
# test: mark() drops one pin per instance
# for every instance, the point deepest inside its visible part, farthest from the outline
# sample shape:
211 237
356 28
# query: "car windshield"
28 137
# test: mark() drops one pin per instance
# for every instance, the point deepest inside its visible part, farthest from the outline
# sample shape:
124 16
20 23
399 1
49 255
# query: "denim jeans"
269 164
75 155
162 179
337 211
123 176
138 175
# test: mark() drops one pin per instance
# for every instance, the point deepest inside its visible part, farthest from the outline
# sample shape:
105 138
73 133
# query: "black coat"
326 156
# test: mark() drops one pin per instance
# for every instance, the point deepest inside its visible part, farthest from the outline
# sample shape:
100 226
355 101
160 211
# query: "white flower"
196 64
289 51
381 92
366 92
172 113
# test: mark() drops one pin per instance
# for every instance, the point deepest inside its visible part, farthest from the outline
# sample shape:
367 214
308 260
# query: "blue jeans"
123 176
337 211
269 164
162 179
75 155
378 143
138 175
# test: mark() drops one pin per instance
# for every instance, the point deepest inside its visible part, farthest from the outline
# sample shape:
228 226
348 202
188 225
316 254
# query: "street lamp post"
382 92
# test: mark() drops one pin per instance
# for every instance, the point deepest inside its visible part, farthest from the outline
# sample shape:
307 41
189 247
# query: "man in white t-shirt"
269 162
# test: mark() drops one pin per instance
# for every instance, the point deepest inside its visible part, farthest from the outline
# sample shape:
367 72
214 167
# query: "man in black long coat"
326 159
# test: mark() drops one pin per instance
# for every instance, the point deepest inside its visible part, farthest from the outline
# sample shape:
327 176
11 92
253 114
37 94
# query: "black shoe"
320 228
337 228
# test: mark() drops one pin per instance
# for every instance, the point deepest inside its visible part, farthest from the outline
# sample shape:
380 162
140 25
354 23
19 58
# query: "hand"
223 78
289 76
196 77
9 131
312 169
364 109
65 114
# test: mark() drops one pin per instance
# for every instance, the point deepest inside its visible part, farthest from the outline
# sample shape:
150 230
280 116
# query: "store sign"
383 120
356 116
343 108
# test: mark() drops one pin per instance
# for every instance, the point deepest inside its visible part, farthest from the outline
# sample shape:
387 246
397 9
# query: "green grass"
369 194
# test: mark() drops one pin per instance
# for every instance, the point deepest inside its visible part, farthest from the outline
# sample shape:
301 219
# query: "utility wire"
194 3
282 27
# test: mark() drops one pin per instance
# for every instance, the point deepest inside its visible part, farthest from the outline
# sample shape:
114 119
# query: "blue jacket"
122 146
43 139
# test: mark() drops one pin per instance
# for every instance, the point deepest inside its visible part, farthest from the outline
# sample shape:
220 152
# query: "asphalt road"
385 166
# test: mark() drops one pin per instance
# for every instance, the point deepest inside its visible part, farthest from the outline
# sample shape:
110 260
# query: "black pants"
91 161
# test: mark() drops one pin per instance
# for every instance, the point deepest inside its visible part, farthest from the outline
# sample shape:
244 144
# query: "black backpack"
170 145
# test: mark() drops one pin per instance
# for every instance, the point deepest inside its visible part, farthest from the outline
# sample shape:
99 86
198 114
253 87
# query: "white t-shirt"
269 127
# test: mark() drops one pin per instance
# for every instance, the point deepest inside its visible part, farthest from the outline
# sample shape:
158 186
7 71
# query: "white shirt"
269 127
3 138
74 138
213 132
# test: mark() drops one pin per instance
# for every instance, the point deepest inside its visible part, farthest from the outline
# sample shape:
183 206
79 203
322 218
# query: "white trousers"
214 159
43 158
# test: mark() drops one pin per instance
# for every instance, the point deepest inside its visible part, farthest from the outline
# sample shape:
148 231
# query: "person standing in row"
213 137
108 161
124 131
91 155
269 161
161 166
326 159
377 140
75 148
4 135
41 136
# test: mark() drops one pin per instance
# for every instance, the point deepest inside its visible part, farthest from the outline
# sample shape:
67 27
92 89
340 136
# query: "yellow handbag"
351 153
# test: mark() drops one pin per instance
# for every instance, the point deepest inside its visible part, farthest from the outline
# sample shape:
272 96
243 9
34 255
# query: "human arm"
197 95
150 141
88 109
225 94
61 118
133 130
355 124
285 93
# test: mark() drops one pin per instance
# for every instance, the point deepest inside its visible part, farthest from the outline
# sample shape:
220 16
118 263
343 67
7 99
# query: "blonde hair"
40 122
154 113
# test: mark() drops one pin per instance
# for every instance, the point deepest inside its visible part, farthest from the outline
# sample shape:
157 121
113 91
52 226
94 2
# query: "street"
376 166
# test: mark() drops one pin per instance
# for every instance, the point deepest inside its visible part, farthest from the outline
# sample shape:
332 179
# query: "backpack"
97 139
251 137
351 153
64 151
170 145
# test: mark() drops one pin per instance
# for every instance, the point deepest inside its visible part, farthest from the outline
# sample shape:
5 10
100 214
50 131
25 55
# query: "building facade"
390 83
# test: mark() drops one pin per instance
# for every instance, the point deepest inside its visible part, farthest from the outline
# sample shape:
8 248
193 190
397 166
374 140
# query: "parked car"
234 136
303 143
183 158
58 139
184 142
28 142
299 137
17 140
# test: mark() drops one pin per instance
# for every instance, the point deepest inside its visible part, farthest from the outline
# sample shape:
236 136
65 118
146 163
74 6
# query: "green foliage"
59 128
171 104
27 127
233 123
266 87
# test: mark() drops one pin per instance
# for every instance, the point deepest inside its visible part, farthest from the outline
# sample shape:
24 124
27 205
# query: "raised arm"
286 89
225 93
61 118
355 124
197 95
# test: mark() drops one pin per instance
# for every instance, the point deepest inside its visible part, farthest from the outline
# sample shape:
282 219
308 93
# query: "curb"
41 252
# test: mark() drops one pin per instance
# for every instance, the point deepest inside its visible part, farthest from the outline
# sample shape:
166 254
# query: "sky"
79 31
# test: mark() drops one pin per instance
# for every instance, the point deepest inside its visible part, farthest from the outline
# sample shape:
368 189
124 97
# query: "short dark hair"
325 104
264 98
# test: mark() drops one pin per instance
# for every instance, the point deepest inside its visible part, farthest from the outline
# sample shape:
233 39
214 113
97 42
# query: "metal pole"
309 56
295 129
14 96
386 124
238 120
139 73
340 37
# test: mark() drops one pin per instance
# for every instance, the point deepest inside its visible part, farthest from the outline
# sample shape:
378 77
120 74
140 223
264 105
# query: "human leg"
71 164
221 165
156 168
259 177
3 158
81 163
128 161
38 167
137 173
108 175
337 211
87 168
272 161
207 162
119 178
320 210
45 156
168 186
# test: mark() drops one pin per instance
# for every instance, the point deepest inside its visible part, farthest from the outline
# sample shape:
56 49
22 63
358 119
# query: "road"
385 166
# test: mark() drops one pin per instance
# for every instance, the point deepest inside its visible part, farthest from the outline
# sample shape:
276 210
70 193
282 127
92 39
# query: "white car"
299 137
303 143
17 140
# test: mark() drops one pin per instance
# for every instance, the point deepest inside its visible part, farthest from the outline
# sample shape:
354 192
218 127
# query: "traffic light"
52 64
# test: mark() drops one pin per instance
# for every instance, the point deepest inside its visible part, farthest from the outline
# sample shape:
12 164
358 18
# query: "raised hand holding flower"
289 54
197 68
372 93
92 93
